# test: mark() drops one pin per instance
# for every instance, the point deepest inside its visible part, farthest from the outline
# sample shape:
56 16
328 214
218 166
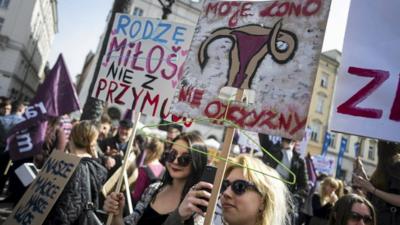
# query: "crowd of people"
168 188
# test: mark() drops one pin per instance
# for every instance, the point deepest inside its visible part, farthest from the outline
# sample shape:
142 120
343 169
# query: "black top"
150 216
321 211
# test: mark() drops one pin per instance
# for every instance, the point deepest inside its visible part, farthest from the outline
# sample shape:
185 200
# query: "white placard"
367 94
269 49
143 63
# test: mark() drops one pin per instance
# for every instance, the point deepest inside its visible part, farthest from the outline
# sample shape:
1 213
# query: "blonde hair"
328 181
154 148
340 190
276 197
83 134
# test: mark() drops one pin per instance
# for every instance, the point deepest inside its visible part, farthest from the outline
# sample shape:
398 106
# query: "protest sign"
142 64
367 93
323 164
44 191
269 49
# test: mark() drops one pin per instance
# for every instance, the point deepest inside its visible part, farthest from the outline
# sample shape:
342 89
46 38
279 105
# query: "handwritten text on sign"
367 92
143 63
260 47
44 191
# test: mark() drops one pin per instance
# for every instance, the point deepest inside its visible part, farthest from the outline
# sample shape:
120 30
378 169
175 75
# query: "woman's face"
240 209
175 170
329 189
360 215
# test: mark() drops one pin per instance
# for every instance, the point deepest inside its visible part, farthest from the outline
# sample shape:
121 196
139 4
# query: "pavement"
5 210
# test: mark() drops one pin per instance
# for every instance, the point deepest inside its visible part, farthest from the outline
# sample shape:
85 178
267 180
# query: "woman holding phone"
160 200
247 197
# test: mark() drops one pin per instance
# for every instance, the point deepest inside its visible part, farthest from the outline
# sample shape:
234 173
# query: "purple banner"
55 97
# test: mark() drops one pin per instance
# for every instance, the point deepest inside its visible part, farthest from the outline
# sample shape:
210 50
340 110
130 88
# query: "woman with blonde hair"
152 170
76 196
323 202
248 197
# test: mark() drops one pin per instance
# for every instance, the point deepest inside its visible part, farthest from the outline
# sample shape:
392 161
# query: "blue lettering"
165 27
123 22
139 27
148 27
179 31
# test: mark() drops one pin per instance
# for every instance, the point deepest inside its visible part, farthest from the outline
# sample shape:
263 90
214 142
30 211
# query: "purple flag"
55 97
312 175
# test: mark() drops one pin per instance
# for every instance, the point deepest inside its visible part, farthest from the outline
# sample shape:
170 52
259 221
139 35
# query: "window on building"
320 103
137 11
4 4
332 144
324 80
1 22
371 150
315 131
362 143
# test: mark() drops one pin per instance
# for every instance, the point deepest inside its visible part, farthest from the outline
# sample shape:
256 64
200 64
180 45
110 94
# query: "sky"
80 24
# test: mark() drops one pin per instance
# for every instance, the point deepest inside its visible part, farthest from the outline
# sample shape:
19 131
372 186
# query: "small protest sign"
44 191
367 93
143 63
323 164
268 49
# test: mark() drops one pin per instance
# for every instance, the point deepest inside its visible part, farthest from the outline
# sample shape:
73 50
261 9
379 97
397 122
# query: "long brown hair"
388 154
341 211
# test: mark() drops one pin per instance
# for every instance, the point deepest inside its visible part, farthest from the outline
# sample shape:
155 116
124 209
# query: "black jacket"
113 143
297 165
74 197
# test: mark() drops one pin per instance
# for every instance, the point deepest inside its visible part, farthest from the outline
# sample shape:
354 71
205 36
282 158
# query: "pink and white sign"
143 64
367 94
269 49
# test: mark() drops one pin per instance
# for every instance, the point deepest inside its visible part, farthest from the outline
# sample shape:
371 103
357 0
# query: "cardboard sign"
142 64
44 191
269 49
367 95
323 164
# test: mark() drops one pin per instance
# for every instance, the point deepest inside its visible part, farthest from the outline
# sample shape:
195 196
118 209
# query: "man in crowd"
7 122
115 147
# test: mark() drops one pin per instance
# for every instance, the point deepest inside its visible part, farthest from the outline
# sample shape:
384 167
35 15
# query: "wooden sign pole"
125 163
128 193
221 167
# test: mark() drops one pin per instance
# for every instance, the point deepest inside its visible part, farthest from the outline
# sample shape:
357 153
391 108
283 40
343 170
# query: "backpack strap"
150 174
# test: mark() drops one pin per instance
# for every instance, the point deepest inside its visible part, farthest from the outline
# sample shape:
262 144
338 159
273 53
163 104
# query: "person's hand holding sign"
114 204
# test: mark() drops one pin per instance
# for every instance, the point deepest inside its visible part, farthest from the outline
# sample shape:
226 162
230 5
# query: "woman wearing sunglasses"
161 200
352 209
247 197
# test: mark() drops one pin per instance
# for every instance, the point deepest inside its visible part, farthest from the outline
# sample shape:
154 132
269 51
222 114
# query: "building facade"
27 30
318 125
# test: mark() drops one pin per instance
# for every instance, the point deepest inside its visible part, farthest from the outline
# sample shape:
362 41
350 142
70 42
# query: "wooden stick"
9 164
128 193
221 167
125 163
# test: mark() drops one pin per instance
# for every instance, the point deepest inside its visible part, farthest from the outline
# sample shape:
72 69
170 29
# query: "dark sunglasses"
238 187
183 160
358 217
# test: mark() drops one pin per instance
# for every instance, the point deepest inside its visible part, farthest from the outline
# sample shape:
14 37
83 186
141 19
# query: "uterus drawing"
250 44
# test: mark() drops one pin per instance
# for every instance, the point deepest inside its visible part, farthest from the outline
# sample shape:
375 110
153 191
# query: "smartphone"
208 176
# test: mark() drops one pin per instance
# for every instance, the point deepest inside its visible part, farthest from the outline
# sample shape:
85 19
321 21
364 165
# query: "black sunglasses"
183 160
358 217
238 187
